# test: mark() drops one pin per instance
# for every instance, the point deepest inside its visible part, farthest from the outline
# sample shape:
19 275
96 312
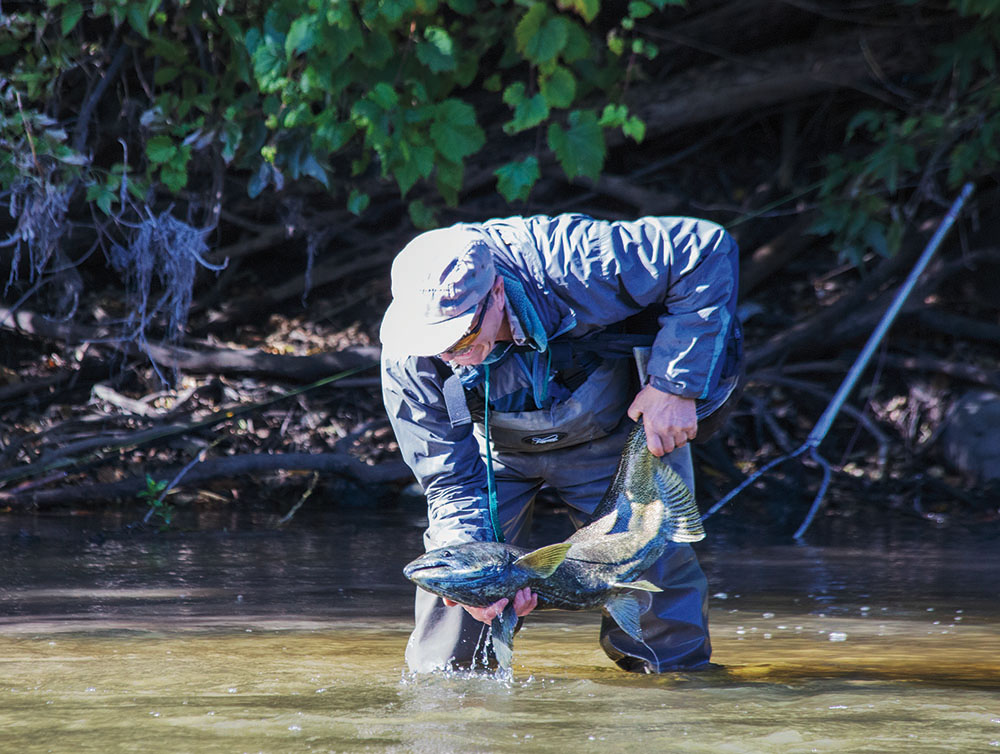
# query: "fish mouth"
424 569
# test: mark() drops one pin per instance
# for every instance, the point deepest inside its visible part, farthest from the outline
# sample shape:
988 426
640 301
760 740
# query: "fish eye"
445 553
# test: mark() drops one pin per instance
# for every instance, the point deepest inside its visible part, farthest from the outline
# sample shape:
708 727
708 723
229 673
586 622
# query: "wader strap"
454 401
491 489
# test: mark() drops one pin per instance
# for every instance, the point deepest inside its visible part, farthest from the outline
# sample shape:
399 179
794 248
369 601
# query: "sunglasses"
465 344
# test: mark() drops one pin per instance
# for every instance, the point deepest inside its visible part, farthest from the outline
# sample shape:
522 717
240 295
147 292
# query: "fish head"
471 573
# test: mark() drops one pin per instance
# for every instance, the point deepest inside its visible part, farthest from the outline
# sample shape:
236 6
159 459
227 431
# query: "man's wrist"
668 387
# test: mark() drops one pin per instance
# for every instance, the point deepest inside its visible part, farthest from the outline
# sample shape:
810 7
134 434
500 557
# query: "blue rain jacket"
579 276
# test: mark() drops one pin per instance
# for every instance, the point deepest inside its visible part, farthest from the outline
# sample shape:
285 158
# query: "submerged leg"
445 637
675 628
448 637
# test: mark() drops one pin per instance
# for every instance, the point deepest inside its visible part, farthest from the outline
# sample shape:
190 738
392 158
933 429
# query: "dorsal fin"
545 560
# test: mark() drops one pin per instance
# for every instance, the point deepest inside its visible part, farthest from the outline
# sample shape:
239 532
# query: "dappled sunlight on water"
192 643
344 689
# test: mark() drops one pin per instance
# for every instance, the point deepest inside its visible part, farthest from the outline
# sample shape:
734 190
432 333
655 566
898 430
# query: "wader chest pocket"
593 411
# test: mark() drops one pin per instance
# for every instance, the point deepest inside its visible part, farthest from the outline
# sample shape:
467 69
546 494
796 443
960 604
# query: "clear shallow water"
292 641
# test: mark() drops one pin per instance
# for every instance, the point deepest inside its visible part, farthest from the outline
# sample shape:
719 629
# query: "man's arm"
684 269
445 459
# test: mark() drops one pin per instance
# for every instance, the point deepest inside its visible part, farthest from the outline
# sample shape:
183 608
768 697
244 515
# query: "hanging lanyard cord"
491 487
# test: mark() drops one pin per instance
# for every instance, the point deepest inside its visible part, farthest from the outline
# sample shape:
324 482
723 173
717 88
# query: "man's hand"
670 420
524 602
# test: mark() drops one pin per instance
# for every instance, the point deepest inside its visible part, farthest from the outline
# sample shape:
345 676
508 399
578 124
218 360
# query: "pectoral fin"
646 586
545 560
624 609
502 630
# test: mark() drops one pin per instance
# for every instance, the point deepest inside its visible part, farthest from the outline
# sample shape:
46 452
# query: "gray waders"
676 626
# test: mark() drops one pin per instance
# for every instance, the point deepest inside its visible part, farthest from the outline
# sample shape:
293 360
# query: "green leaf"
377 50
170 50
558 88
174 177
357 202
616 44
587 9
259 180
300 115
867 119
161 149
103 194
417 162
332 135
638 9
454 130
105 200
384 96
71 15
421 215
450 176
613 115
437 51
174 173
528 112
874 236
137 18
394 10
310 166
578 46
514 94
165 75
301 36
540 35
231 137
635 129
269 67
515 179
530 25
580 149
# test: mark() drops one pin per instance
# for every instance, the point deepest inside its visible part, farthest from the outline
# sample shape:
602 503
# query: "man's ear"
498 292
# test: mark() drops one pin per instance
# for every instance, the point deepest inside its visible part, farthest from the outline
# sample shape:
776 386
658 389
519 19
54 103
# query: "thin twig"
305 495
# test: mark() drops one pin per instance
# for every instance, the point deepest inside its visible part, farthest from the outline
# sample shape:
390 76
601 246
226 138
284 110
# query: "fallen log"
204 360
336 464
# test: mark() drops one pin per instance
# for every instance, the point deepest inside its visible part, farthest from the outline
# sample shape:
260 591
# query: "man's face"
474 352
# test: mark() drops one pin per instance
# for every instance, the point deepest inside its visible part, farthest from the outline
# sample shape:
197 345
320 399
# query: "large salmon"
646 506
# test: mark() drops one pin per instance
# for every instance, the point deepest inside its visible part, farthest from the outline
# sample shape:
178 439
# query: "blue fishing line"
491 490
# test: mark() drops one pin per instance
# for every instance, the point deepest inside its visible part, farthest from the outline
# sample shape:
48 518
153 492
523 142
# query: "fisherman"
507 367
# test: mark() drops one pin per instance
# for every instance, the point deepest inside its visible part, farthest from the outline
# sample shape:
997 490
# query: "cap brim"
404 334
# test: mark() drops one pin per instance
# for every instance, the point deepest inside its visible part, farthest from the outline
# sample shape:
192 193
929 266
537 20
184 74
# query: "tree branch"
336 464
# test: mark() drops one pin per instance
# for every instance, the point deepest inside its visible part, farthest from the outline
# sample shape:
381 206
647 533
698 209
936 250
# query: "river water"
237 637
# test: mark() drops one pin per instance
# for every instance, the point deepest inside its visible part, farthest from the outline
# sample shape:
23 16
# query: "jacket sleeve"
699 306
444 458
685 269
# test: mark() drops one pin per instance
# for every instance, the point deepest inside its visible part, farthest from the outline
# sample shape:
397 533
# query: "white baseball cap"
438 281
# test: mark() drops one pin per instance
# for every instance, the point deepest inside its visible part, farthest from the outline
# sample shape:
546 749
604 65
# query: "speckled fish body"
646 506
